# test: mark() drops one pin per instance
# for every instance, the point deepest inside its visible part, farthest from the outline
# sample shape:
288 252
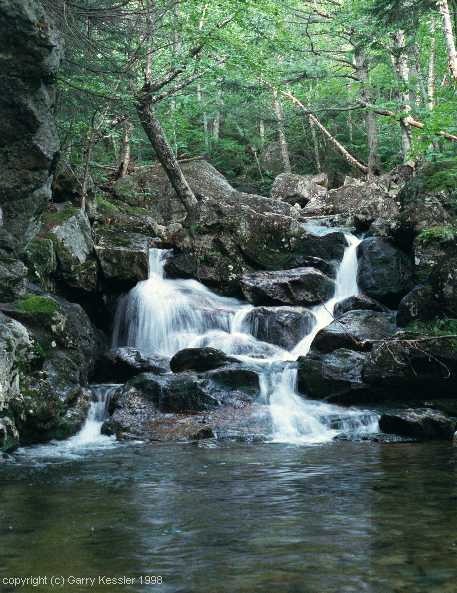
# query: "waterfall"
89 438
162 316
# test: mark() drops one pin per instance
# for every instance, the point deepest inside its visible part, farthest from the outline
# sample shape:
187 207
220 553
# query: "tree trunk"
431 69
164 152
262 132
402 69
443 7
124 160
218 116
317 158
337 145
282 133
205 119
361 65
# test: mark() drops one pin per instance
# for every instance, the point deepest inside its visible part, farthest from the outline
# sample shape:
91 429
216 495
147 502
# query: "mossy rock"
37 305
41 261
54 218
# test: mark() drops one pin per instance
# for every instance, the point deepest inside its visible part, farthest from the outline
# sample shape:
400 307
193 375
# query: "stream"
301 513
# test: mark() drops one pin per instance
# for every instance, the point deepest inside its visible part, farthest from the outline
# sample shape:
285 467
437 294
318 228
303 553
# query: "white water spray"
162 316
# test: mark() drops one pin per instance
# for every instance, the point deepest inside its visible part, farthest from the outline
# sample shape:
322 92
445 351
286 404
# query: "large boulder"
334 376
234 232
385 272
30 53
282 326
299 189
360 202
355 330
199 360
407 369
299 286
60 349
185 406
74 248
150 188
123 256
419 423
17 352
420 304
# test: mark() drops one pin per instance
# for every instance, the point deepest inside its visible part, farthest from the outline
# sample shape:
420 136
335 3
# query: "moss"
437 234
105 206
51 219
37 305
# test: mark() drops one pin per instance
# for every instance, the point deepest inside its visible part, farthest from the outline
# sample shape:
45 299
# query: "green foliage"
441 175
436 327
437 234
249 47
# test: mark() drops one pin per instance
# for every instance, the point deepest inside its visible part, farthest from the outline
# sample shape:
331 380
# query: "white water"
163 316
89 438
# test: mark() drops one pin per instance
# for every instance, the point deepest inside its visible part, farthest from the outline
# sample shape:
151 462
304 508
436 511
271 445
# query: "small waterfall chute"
89 438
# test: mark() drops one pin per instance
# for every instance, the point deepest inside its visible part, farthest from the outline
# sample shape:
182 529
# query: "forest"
258 88
228 296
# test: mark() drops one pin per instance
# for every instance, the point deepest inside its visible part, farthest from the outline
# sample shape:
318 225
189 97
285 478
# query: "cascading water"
162 316
90 436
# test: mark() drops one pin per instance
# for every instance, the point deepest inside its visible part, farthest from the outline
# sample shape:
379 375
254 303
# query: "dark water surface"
337 518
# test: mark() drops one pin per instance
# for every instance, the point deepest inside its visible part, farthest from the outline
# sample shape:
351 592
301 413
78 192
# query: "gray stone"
385 272
422 424
335 376
282 326
355 330
299 286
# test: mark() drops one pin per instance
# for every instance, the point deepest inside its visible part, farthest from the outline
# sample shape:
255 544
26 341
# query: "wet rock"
57 348
359 302
9 435
422 424
282 326
385 273
199 360
299 189
121 364
237 379
420 304
123 256
335 376
74 248
185 393
182 393
300 286
355 330
41 261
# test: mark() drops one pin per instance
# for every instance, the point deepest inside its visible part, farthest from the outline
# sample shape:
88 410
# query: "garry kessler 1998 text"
89 582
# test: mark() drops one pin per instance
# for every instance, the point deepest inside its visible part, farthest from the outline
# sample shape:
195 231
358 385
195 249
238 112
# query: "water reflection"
339 518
